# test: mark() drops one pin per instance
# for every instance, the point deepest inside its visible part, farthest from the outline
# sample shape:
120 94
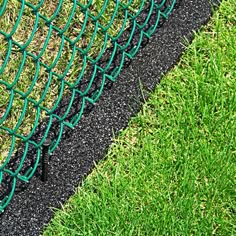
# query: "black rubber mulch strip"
74 159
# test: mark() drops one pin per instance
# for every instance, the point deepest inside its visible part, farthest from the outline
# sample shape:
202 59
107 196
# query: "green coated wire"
161 8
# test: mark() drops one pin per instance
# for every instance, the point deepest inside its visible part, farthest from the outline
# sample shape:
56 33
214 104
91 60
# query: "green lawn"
172 171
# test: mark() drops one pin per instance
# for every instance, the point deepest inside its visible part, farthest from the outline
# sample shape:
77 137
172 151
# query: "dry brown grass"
27 22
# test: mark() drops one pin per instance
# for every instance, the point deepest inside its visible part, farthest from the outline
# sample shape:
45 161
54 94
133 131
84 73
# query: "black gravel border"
74 159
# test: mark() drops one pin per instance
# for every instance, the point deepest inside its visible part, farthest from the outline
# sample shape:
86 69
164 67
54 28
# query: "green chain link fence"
47 49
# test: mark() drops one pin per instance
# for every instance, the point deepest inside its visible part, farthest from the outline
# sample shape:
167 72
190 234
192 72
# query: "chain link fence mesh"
52 50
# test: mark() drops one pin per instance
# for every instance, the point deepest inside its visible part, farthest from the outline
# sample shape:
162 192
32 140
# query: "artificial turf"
172 171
